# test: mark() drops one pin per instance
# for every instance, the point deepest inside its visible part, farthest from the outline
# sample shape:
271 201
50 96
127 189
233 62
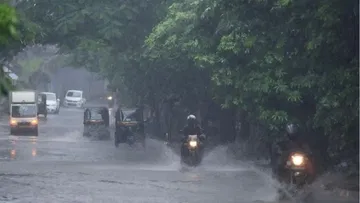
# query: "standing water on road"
60 165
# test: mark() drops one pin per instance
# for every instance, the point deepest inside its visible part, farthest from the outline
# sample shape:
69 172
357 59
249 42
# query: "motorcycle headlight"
109 98
297 159
193 143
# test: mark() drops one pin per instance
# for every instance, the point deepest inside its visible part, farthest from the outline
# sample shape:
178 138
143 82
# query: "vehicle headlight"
13 122
297 159
34 122
193 143
109 98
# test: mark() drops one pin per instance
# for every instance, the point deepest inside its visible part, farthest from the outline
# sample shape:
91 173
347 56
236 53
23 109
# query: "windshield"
94 114
23 111
51 97
74 94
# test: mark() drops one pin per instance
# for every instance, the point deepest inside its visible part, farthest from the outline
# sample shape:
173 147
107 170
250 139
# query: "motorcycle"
299 172
191 152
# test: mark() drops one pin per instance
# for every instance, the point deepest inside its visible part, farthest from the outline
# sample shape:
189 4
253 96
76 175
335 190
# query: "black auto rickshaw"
42 105
96 122
129 127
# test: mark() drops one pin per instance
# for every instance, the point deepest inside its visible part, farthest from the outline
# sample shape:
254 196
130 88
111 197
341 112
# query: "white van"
74 98
23 112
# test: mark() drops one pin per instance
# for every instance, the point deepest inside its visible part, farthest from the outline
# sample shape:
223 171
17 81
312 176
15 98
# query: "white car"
52 102
74 98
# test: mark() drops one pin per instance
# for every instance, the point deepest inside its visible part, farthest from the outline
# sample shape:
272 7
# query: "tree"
8 21
105 37
274 62
274 59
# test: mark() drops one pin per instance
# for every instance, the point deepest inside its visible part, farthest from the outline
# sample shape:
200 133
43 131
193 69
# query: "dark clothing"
192 130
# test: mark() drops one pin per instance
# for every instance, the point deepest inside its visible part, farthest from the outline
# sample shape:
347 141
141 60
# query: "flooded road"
60 165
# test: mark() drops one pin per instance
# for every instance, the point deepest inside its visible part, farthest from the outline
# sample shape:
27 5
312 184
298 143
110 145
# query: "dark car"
96 122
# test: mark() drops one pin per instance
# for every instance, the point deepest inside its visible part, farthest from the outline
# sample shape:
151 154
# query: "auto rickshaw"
96 122
42 105
129 127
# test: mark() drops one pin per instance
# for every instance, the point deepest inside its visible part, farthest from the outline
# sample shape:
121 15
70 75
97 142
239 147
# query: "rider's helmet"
191 120
292 130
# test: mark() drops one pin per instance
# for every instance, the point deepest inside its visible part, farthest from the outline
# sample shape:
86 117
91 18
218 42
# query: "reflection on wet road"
60 165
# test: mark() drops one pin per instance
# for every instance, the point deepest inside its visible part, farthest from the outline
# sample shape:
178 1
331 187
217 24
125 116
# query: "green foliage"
8 21
279 61
273 59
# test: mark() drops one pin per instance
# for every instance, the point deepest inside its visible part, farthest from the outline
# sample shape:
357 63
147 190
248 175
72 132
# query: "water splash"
72 136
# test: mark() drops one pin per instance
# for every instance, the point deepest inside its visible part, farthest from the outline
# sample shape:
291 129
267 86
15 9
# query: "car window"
73 94
51 97
23 111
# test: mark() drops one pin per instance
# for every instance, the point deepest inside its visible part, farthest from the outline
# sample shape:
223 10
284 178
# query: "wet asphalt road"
60 165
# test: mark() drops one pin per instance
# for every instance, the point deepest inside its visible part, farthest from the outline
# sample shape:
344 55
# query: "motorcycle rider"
192 128
281 148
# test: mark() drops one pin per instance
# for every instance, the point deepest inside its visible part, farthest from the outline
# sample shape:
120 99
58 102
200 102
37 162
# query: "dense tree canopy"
8 21
275 61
